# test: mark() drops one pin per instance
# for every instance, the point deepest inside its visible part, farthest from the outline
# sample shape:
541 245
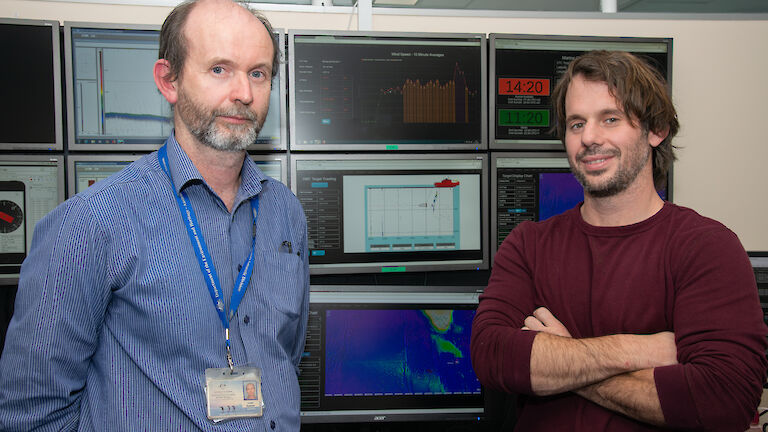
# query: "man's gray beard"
212 137
202 125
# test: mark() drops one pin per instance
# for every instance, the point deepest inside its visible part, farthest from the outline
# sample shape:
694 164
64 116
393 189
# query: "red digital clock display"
523 87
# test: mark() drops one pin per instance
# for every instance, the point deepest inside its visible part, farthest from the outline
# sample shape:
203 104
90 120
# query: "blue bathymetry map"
398 352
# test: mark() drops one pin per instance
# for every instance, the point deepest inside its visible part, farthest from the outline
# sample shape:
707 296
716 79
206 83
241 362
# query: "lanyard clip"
229 353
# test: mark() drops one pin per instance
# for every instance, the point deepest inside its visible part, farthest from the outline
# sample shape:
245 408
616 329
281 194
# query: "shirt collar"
184 172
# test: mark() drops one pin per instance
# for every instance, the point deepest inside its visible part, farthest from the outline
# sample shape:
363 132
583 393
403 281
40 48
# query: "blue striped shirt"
114 326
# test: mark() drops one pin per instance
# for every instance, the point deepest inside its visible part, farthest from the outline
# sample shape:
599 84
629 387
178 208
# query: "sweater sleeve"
720 335
501 351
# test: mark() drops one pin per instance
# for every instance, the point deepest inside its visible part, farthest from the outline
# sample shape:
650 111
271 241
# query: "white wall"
718 86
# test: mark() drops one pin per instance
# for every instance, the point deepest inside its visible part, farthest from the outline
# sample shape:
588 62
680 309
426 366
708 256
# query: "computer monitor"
30 84
529 187
759 262
113 103
85 170
273 165
387 91
30 187
533 186
397 356
524 70
393 212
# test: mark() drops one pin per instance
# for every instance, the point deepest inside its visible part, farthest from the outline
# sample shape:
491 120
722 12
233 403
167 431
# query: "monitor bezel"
280 157
482 146
13 278
377 268
399 295
73 159
58 144
69 73
555 144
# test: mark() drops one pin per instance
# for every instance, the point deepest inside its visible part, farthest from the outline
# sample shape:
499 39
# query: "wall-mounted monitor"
273 165
387 91
532 186
85 170
759 262
30 84
393 213
113 103
529 187
389 357
524 70
30 187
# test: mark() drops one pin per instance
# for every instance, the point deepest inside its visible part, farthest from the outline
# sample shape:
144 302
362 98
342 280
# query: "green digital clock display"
517 117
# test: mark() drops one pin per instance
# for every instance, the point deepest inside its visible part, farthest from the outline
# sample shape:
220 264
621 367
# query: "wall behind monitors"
389 357
524 70
529 187
112 101
387 91
32 75
393 213
30 187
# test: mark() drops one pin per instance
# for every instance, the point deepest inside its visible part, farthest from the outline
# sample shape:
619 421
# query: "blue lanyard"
203 256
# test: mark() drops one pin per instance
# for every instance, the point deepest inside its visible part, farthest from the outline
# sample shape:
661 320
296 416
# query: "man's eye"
257 74
577 125
217 69
611 120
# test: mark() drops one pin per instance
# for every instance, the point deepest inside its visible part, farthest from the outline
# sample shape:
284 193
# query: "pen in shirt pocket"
286 247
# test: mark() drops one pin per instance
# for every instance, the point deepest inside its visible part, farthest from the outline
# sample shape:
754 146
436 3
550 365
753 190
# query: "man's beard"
624 175
202 124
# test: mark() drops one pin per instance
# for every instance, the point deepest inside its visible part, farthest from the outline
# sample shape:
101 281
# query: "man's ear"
655 138
162 74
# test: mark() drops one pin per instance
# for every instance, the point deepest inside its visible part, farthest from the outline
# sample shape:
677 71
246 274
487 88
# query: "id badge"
233 394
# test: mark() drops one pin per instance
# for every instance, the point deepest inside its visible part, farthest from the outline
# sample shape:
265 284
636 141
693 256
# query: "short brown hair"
173 43
641 92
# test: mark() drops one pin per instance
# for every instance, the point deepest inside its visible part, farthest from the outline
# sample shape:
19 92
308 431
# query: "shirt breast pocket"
280 282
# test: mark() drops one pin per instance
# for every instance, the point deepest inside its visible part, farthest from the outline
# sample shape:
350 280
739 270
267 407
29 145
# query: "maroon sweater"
676 271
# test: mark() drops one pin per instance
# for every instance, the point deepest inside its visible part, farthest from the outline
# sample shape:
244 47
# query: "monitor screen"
759 262
387 91
85 170
389 357
275 166
530 187
30 85
526 68
393 213
30 187
113 102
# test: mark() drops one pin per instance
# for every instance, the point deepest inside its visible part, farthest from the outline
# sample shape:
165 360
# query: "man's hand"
542 320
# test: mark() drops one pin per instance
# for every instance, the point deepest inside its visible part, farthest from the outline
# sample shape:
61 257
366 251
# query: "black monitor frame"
393 264
378 407
359 144
12 277
572 43
58 143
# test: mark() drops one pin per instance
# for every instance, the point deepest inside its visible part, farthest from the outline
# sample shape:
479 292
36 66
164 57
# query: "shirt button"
246 320
272 424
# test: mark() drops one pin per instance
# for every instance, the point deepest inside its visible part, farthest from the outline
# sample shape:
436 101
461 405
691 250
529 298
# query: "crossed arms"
613 371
